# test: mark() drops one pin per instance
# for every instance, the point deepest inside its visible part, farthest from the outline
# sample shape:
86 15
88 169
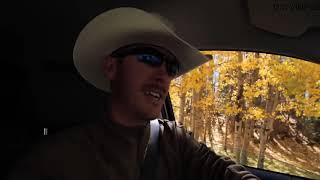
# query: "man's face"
140 88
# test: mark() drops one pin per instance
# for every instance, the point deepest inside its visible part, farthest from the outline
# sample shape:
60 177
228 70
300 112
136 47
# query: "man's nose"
163 69
162 74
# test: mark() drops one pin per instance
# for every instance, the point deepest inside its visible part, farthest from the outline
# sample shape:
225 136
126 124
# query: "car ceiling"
40 38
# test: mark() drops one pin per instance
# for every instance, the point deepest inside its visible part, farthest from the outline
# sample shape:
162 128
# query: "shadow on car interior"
42 90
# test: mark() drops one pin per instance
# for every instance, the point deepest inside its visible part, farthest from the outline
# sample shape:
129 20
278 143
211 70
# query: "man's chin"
152 116
150 113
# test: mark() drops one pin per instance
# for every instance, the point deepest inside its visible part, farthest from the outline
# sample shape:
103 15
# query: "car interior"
42 93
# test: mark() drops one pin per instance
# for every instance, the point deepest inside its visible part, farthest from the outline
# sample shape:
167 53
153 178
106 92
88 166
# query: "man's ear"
109 67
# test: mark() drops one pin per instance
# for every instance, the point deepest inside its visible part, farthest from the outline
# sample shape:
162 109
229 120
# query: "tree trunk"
237 140
194 114
187 119
226 136
263 142
249 124
231 130
209 130
252 130
240 105
204 135
182 106
267 127
246 140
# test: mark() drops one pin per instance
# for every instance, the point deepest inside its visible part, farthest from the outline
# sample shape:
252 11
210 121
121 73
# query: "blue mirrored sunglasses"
150 56
155 61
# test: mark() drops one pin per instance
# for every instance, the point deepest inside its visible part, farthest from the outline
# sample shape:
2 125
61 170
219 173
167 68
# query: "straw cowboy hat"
124 26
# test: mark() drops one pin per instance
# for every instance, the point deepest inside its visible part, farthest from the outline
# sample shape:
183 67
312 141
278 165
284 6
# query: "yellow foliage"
220 80
254 113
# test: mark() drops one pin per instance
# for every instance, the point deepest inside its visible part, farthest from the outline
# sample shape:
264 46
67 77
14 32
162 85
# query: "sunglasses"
151 57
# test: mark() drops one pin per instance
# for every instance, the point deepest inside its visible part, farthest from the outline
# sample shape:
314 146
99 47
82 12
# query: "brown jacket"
106 150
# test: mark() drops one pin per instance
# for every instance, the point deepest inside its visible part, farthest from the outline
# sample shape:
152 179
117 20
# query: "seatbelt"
149 170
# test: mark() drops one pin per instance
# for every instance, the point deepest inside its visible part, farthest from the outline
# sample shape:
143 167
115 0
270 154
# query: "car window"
263 110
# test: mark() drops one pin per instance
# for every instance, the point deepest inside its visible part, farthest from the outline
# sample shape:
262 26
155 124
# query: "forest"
262 110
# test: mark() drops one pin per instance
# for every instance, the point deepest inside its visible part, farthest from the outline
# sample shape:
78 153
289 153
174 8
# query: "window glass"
260 109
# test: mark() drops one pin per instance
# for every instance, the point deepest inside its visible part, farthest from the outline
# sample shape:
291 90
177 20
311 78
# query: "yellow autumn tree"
246 91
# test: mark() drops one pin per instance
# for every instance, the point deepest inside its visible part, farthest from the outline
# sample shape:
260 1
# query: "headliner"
46 86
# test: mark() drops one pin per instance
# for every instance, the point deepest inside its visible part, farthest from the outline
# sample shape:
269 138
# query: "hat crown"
120 27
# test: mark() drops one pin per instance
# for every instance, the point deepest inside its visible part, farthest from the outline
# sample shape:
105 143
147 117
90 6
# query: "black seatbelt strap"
149 170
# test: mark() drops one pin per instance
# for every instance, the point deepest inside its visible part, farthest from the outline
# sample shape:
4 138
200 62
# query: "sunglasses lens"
172 69
150 56
156 61
150 59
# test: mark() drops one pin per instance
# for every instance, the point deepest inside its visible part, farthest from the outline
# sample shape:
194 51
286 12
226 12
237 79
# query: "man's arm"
202 163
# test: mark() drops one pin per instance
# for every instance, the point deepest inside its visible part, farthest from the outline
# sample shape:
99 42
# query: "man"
133 55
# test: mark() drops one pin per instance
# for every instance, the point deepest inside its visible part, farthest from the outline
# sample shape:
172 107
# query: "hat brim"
124 26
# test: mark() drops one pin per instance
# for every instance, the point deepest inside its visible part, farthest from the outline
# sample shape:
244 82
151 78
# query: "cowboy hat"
124 26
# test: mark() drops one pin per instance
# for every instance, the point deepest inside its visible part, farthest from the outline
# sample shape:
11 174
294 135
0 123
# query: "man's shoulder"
170 123
173 125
